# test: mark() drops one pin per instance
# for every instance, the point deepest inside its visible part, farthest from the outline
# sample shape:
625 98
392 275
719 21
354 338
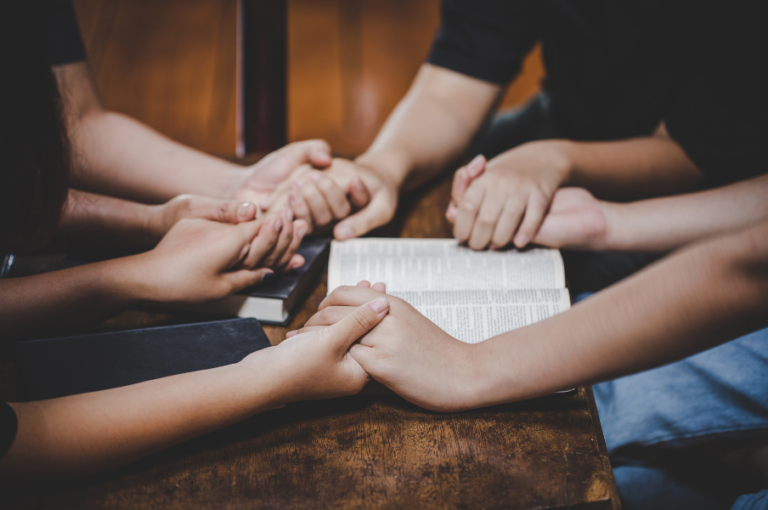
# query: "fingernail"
288 214
278 224
291 333
301 231
343 232
243 252
243 210
269 275
316 177
378 305
521 240
265 203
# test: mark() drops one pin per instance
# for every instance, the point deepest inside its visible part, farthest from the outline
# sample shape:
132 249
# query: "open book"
471 295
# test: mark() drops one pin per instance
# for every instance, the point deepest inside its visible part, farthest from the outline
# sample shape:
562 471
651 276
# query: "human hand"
262 179
406 352
507 199
160 218
200 260
376 197
576 220
318 362
320 197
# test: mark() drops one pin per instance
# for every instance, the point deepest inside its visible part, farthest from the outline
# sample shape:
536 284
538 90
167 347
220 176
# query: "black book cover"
282 286
58 367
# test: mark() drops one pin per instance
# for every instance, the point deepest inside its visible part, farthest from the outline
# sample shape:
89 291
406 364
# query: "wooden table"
374 450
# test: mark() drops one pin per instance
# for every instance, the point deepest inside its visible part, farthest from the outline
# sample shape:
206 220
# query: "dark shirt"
616 69
8 424
66 43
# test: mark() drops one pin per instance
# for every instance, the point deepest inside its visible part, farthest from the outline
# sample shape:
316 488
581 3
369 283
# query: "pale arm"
577 220
81 434
701 297
634 168
117 155
432 126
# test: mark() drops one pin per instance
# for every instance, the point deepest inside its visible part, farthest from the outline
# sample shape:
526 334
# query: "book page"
476 315
441 264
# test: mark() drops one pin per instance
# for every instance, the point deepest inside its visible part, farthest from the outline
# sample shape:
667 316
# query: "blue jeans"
659 426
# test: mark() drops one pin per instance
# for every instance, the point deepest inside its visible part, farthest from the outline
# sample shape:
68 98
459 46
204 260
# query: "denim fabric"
757 501
651 421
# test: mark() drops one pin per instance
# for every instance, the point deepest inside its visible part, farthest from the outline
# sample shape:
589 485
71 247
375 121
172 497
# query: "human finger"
299 207
284 239
507 224
378 212
335 197
348 296
330 315
318 207
486 220
290 259
243 278
263 243
467 211
535 210
348 330
316 151
364 283
380 287
359 195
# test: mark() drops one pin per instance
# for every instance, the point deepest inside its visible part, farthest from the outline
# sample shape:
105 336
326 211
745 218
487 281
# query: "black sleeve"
485 39
721 118
8 425
66 43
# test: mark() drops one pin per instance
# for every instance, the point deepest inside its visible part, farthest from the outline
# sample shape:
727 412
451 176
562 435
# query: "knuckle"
468 206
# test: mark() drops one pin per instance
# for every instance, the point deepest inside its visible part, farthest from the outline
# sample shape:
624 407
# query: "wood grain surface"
374 450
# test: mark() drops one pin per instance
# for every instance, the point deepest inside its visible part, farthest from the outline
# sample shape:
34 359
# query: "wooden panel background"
172 64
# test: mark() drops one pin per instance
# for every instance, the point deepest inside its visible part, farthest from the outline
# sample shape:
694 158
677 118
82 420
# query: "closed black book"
275 300
57 367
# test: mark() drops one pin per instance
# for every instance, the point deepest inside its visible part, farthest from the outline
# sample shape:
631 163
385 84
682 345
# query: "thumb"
317 152
377 213
349 329
465 175
224 211
358 193
244 278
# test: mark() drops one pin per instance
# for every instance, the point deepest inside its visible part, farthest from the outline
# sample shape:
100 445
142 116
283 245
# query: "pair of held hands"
513 198
360 333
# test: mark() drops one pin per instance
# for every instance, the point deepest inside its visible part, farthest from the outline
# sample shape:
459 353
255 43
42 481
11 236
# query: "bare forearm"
85 433
112 220
432 126
66 297
122 157
632 169
116 155
701 297
664 224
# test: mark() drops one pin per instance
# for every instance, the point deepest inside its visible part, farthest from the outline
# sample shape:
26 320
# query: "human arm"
430 129
577 220
119 156
196 261
506 200
705 295
88 216
85 433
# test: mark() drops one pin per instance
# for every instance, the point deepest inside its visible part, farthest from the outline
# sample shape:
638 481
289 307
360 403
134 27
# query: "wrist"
278 381
616 226
153 224
391 166
564 154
